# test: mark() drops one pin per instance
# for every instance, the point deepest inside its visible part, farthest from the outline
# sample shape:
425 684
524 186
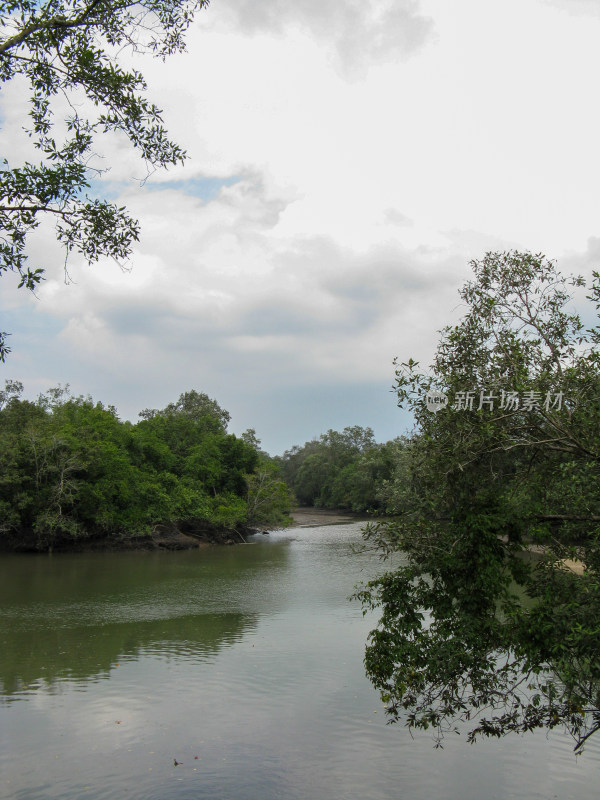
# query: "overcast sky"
348 158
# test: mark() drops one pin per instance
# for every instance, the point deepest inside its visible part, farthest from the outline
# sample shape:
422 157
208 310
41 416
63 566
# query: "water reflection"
75 617
30 660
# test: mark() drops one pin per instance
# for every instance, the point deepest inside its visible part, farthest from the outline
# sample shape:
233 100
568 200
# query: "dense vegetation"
71 470
494 619
346 470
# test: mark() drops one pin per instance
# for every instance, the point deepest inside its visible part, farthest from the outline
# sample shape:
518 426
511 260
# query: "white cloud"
357 32
576 6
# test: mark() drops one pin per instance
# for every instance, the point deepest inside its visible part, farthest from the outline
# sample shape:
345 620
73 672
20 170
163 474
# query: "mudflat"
309 517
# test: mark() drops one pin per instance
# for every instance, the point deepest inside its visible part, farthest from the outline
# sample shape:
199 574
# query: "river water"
243 664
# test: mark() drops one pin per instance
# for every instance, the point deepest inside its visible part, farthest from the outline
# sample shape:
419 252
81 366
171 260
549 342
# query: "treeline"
71 469
345 470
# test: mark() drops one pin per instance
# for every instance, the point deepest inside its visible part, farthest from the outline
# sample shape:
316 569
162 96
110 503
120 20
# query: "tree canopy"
71 470
69 53
492 622
342 469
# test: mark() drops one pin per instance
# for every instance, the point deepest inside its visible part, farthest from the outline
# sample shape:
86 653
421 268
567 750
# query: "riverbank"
305 517
181 535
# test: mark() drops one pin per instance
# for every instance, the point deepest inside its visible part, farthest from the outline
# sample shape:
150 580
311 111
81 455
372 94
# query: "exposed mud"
311 517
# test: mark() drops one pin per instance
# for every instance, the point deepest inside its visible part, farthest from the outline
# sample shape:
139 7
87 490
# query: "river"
242 664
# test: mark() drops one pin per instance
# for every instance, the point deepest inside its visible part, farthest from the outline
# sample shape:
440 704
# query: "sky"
347 161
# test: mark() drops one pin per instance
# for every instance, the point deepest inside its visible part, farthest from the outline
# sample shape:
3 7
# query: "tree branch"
59 22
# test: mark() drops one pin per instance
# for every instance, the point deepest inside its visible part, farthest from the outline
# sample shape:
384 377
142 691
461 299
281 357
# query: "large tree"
68 54
492 623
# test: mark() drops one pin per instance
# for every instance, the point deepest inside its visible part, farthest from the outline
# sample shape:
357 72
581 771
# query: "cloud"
359 32
218 300
215 277
576 7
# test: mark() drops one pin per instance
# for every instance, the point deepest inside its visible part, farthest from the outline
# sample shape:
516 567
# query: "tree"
194 406
68 50
338 470
268 498
493 618
12 390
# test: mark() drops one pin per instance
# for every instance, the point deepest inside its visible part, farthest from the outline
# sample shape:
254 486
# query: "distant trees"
345 469
70 468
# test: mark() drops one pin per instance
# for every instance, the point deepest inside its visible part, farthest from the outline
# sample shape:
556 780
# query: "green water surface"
244 665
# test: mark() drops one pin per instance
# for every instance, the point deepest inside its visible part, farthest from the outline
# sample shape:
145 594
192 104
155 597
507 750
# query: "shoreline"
173 536
308 517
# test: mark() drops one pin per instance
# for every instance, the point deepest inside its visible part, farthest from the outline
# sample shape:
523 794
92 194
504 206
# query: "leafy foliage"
268 497
345 469
72 469
67 52
493 619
